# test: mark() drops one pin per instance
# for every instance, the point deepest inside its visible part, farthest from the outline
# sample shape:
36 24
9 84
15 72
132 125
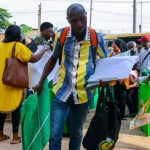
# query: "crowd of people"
77 55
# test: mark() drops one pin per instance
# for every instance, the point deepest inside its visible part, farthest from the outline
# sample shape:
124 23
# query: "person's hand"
132 79
46 47
134 85
50 45
38 88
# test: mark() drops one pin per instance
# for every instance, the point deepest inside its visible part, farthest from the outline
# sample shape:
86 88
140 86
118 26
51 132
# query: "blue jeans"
59 113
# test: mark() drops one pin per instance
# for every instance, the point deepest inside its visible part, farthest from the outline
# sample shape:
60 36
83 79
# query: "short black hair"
12 33
73 6
46 25
121 45
110 43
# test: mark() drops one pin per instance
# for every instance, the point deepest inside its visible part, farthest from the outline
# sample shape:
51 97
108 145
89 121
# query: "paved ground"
128 140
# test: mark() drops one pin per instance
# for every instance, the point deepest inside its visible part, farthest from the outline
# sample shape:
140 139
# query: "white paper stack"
35 69
113 68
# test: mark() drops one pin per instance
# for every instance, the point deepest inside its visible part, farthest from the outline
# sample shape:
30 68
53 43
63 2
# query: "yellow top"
11 97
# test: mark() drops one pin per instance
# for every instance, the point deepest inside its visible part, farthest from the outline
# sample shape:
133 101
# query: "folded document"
113 68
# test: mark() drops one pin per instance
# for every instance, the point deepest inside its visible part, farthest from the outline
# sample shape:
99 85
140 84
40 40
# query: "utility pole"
134 16
91 13
39 18
141 17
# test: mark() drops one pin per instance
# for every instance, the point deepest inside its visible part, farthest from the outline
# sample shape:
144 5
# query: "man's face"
77 20
146 44
47 33
132 47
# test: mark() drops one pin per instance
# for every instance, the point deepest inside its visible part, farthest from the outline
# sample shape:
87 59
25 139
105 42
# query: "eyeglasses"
75 19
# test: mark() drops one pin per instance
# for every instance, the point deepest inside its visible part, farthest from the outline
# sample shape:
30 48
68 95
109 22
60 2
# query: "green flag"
144 92
35 120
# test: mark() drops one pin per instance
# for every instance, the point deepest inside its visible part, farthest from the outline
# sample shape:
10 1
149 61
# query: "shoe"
16 141
6 137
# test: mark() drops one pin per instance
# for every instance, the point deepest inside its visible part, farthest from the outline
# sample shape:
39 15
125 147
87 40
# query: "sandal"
6 137
16 141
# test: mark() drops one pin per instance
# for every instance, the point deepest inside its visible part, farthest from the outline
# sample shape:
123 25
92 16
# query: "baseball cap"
144 38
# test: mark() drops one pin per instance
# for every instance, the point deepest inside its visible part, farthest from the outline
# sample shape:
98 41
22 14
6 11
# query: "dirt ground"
128 139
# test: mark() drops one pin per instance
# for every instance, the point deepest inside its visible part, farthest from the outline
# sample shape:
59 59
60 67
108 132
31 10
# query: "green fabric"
93 102
51 93
50 84
65 131
144 92
35 120
144 95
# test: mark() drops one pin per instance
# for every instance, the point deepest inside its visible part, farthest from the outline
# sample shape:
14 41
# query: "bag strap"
105 94
145 58
110 93
62 39
13 50
63 35
94 44
101 97
93 37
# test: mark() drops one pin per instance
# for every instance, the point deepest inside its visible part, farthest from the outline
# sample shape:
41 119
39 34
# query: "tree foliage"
24 28
4 18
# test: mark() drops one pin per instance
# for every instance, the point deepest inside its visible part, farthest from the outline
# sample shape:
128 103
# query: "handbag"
104 128
16 72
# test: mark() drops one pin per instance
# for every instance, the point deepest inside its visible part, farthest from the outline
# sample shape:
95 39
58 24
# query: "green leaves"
4 21
24 28
4 18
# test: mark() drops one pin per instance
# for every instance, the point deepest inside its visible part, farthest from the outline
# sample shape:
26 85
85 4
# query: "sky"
113 16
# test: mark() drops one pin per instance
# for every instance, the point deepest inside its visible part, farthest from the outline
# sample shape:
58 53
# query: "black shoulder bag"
104 128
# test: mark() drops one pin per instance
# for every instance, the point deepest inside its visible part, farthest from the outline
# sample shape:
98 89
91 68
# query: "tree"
4 18
24 28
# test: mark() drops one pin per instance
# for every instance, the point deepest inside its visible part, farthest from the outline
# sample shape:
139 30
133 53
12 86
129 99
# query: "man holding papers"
77 65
